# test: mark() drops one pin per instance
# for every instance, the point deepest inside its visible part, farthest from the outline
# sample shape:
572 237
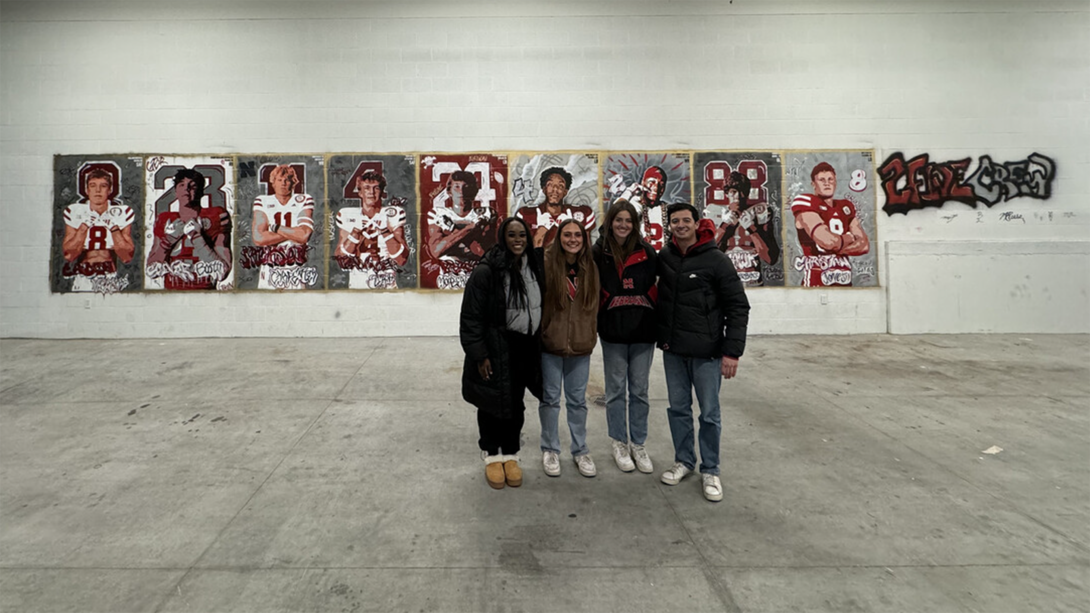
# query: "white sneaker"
675 474
586 465
713 489
551 462
643 461
622 457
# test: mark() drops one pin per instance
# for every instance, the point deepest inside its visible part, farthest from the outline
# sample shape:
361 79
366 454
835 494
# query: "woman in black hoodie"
626 325
500 328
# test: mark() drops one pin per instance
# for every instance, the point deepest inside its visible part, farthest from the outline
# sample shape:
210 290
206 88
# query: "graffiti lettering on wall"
920 183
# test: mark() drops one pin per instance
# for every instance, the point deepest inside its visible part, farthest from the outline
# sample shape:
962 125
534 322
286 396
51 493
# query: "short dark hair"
681 206
820 168
556 170
372 175
193 175
469 192
740 182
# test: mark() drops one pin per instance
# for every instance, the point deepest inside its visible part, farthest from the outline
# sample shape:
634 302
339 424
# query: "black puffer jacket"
482 330
702 310
627 313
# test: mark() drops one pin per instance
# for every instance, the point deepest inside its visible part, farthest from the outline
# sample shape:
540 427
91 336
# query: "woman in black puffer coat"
500 328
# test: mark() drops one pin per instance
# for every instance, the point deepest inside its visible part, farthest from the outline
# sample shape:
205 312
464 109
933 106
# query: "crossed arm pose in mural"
546 218
458 231
286 219
743 231
829 231
646 196
374 235
284 216
191 247
95 232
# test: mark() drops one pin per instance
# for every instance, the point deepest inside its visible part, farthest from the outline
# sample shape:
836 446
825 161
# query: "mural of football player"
97 233
646 196
191 247
744 232
373 235
829 231
458 231
283 218
546 218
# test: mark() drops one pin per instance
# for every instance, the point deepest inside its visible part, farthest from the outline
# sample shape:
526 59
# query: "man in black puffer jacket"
702 315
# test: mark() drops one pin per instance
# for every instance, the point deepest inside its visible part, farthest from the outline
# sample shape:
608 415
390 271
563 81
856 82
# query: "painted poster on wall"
372 205
280 222
740 193
97 223
650 181
463 199
189 204
829 219
548 188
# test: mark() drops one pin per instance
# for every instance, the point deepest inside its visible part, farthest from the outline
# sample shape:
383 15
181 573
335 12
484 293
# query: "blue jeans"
683 375
572 374
627 366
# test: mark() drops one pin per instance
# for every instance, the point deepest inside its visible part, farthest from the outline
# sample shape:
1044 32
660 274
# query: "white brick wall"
954 79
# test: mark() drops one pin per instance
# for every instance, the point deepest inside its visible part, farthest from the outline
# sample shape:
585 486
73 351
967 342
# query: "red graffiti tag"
920 183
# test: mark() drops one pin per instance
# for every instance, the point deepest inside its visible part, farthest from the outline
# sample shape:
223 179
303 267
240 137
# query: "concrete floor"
343 475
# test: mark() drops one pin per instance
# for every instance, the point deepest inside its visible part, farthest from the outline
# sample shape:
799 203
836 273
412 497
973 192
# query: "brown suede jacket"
570 331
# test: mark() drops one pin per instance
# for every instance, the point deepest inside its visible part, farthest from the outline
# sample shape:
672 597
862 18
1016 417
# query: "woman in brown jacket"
569 331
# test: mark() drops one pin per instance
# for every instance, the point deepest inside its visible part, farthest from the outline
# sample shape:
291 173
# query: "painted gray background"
526 179
399 171
249 186
796 167
65 192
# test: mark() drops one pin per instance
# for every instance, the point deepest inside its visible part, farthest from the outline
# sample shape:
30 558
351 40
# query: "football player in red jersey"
95 231
546 218
743 231
829 231
646 196
191 247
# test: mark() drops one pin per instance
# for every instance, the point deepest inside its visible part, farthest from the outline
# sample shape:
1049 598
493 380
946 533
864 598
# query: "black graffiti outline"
933 184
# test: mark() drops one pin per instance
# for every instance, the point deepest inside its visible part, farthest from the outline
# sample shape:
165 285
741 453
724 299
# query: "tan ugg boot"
493 471
512 470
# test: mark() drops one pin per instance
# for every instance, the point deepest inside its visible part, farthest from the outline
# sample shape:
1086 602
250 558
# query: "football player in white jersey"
287 219
372 237
96 230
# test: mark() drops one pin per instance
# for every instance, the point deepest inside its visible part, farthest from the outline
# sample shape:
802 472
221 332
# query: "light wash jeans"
627 366
571 374
683 375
